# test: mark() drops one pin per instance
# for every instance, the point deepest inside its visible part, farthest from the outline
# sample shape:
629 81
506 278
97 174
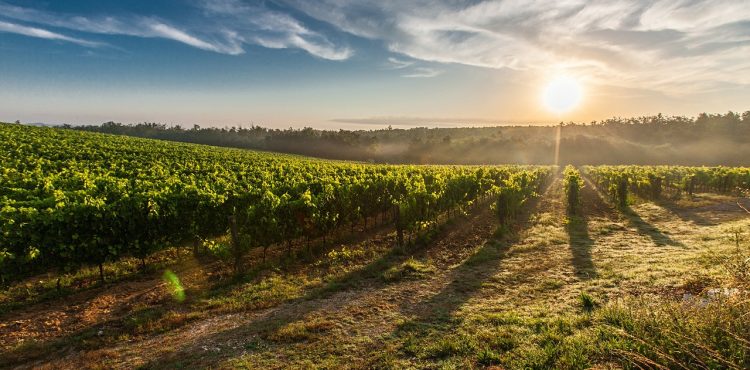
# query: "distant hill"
708 139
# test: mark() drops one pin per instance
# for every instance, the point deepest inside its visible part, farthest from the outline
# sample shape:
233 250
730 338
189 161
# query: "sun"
562 94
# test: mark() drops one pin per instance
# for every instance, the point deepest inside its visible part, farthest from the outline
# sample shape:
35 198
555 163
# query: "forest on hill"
708 139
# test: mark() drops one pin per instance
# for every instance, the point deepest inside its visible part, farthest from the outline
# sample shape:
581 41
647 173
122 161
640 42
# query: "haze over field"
368 64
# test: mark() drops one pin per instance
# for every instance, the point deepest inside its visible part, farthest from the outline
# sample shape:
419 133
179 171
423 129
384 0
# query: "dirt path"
46 321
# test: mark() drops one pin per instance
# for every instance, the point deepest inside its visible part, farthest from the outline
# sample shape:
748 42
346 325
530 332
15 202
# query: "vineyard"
70 199
655 182
249 259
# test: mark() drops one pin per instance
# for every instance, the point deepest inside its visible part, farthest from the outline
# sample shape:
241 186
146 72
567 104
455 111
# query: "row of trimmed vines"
654 182
516 190
573 183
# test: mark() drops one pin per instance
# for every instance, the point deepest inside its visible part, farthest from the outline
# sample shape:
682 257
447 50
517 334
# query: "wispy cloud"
423 72
43 34
412 68
272 29
231 46
667 45
395 63
226 26
670 46
138 26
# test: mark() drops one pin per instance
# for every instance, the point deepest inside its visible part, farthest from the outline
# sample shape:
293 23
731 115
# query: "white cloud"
423 72
395 63
273 29
412 68
169 32
43 34
227 26
673 46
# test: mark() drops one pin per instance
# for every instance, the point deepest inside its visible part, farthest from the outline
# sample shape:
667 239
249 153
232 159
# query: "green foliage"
217 249
70 199
652 182
516 190
573 183
621 192
654 186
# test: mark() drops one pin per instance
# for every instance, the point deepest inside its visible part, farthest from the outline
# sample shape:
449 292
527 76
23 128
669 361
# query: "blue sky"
365 64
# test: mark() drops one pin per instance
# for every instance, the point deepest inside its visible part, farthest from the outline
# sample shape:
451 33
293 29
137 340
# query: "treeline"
708 139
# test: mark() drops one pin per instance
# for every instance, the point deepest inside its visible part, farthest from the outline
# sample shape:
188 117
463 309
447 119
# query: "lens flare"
178 292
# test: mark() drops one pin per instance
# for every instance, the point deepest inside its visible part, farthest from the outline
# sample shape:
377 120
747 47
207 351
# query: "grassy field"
656 285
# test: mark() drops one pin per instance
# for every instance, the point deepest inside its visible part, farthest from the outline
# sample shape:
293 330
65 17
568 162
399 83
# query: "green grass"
266 292
713 333
634 332
588 303
409 269
301 331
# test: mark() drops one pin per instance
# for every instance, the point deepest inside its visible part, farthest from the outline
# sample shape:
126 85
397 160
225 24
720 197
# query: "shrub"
573 185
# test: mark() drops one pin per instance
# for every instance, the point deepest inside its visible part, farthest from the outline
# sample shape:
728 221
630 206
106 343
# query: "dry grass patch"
302 330
409 269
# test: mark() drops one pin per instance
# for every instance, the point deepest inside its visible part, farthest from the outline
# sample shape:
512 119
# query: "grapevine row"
652 182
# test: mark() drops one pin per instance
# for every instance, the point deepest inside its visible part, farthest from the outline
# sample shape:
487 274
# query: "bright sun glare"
562 94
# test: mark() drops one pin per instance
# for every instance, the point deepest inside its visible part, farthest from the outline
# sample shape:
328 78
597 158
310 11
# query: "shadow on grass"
685 214
596 200
580 247
577 227
645 228
105 334
27 293
436 314
372 273
466 280
302 256
433 330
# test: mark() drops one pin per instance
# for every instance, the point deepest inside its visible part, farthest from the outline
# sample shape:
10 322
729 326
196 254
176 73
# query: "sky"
366 64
